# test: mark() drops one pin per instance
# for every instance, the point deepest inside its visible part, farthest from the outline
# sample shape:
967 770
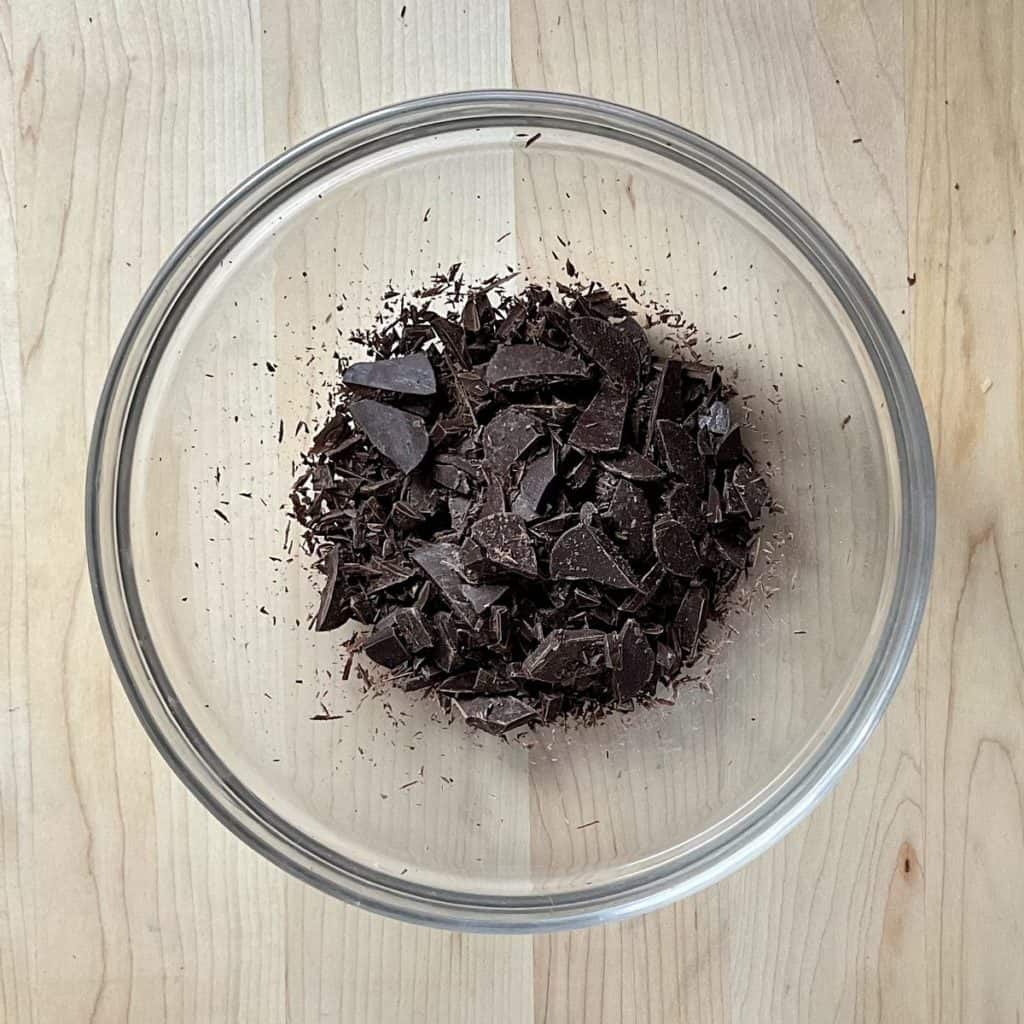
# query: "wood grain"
901 897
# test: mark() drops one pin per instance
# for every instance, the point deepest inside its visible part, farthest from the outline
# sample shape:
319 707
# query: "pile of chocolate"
533 514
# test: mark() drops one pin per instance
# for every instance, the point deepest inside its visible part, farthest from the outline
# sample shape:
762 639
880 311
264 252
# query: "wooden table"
901 127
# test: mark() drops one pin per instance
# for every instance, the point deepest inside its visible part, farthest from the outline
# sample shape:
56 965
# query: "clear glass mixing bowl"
385 805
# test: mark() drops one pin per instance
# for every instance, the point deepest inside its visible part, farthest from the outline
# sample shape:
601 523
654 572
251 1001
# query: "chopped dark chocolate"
614 351
632 675
633 466
674 548
407 375
496 715
396 434
532 366
584 553
600 426
509 436
506 543
532 515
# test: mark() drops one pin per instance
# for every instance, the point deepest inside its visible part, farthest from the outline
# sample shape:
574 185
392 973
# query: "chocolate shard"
584 553
405 375
440 562
685 502
730 449
506 543
396 434
496 715
600 426
576 656
689 621
668 402
385 647
509 436
332 612
534 484
617 354
629 512
678 452
645 590
514 366
674 548
446 650
550 707
630 464
635 669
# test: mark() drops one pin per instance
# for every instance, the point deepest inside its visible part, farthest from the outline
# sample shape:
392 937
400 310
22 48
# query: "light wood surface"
902 897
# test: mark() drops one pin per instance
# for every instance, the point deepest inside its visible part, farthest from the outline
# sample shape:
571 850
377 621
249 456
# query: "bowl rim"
185 750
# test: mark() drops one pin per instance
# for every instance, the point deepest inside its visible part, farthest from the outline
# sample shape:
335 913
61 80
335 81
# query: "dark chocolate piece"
584 553
574 656
689 621
509 436
678 452
440 562
674 548
495 715
611 348
396 434
406 375
635 668
600 426
506 543
532 366
629 512
633 466
534 484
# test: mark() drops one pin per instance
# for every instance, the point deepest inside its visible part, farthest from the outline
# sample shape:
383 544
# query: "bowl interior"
388 784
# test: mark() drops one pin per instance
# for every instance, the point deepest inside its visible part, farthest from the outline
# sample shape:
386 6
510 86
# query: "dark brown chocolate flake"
678 452
584 553
600 426
509 436
636 663
614 351
506 543
534 484
674 548
407 375
496 715
396 434
630 464
532 366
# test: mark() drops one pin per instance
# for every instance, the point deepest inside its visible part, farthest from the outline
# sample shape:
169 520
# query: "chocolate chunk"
440 562
332 613
674 548
551 705
385 647
629 512
630 464
573 656
532 366
611 348
668 402
730 449
396 434
584 553
599 428
632 675
534 484
495 715
506 543
677 450
509 436
407 375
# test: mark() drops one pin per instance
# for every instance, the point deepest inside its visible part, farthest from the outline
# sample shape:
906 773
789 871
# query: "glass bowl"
381 801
